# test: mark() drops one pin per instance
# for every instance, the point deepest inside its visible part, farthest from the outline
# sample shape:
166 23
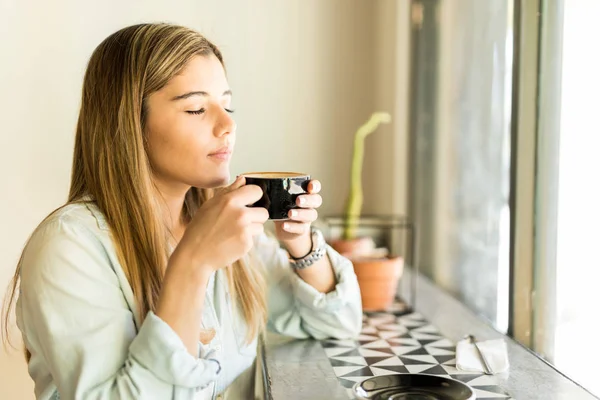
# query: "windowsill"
300 369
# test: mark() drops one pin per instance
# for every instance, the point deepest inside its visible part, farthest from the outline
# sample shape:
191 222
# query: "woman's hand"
294 233
223 229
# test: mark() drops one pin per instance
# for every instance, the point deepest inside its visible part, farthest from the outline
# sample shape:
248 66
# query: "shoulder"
70 237
74 218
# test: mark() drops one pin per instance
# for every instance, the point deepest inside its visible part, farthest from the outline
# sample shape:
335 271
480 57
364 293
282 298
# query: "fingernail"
316 186
301 200
286 226
293 213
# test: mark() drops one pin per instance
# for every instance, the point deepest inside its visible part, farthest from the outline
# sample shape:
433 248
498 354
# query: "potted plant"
377 272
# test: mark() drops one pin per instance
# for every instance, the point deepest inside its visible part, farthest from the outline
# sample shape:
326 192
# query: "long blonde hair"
110 163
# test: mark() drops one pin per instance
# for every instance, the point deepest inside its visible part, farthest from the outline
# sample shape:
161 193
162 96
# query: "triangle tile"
401 350
423 358
348 384
375 352
339 363
381 371
434 351
341 371
443 359
394 368
374 360
437 370
426 342
450 363
362 343
358 360
482 395
334 351
392 327
442 343
465 378
404 341
418 352
447 348
405 336
364 371
367 338
417 368
350 353
376 344
356 378
410 361
419 335
389 361
368 330
391 334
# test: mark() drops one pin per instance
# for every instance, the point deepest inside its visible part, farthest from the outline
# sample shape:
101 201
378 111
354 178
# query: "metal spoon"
486 366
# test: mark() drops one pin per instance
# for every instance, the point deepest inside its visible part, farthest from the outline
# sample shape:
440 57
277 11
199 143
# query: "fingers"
314 187
256 215
309 201
246 195
301 215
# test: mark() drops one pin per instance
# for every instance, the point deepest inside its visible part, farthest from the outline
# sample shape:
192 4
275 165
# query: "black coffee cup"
280 191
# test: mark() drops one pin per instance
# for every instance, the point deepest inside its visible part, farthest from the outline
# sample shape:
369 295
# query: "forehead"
202 73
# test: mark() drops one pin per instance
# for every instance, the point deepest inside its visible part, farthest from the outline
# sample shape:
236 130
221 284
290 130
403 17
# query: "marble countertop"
419 342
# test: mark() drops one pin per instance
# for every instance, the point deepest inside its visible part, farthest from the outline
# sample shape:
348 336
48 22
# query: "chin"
213 182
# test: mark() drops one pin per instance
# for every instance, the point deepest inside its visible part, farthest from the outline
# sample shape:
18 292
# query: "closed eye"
196 112
202 111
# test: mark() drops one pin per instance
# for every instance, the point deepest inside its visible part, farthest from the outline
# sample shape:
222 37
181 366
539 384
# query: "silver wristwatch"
318 250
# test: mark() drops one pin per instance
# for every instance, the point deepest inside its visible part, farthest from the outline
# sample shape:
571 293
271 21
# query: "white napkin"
494 351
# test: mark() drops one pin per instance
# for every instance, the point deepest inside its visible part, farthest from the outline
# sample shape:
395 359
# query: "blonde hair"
110 163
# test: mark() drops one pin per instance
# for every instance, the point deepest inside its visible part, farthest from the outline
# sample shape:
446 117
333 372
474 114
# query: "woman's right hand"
223 229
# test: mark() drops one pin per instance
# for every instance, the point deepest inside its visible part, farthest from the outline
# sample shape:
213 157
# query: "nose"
225 124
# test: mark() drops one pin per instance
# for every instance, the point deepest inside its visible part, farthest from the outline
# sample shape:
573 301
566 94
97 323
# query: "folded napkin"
494 351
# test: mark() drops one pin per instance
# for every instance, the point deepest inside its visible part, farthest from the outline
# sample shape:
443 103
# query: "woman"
120 287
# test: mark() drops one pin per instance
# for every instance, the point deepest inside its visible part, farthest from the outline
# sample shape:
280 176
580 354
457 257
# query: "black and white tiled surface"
392 344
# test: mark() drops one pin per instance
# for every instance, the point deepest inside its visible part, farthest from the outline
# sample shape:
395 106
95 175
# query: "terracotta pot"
358 246
378 280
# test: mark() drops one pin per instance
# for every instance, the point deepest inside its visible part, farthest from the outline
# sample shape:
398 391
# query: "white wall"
303 74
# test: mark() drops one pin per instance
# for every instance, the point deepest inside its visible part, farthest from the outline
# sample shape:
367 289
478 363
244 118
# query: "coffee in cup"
280 191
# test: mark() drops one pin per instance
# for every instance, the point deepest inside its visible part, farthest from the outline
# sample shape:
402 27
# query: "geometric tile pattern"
392 344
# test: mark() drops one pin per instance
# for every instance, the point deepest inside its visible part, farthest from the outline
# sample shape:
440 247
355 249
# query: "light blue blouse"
79 319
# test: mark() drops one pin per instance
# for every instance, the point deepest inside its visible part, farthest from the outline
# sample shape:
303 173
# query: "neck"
171 199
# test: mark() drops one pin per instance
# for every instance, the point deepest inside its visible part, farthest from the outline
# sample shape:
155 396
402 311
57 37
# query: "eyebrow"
198 93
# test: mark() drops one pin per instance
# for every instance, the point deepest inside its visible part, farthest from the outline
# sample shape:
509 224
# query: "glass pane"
461 99
578 267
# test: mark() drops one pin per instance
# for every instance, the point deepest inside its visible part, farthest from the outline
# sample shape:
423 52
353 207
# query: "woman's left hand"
294 233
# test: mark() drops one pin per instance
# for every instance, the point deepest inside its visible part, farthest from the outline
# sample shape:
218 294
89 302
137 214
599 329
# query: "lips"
223 151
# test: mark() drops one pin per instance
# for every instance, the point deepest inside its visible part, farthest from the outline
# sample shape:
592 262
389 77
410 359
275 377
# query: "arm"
298 309
76 320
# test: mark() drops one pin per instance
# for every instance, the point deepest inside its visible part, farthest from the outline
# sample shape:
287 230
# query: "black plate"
412 387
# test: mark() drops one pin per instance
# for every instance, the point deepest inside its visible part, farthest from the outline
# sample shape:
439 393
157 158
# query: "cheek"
177 143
